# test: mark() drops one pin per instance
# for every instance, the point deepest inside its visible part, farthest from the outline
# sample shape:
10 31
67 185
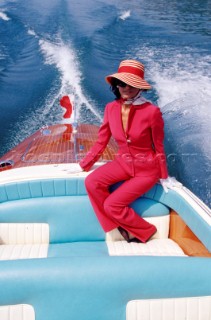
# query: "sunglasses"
121 84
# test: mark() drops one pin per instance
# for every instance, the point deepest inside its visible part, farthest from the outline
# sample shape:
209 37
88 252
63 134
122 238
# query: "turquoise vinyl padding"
190 216
149 208
155 202
64 205
42 188
78 249
70 218
78 279
99 287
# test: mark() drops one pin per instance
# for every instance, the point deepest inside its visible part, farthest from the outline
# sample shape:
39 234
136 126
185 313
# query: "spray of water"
4 16
125 14
64 58
69 82
184 89
183 85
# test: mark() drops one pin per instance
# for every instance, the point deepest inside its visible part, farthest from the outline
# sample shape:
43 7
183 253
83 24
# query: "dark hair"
114 89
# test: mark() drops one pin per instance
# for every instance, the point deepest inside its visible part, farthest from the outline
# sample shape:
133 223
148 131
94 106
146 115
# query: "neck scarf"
137 100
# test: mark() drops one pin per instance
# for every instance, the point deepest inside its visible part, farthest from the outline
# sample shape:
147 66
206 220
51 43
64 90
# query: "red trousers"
112 209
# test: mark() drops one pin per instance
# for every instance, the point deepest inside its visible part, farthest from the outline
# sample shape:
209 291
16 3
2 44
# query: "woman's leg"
97 185
116 207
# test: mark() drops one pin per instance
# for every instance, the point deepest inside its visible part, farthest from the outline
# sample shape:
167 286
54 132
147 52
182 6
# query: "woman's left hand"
169 183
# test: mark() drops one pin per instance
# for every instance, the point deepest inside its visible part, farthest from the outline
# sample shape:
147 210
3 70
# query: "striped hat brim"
129 78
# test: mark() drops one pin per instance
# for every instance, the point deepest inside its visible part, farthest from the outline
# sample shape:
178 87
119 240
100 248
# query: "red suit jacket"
141 150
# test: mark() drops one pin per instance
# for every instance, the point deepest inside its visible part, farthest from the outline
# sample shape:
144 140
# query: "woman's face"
126 91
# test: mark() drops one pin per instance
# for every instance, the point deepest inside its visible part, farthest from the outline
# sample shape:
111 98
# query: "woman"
138 128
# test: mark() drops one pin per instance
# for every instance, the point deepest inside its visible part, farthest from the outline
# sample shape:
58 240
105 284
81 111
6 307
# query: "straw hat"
132 73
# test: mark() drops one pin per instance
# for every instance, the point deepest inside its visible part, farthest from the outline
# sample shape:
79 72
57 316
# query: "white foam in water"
185 91
174 81
3 16
182 81
183 86
2 55
64 58
32 33
125 14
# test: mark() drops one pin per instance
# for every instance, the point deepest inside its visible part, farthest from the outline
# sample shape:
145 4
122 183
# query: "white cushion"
188 308
154 247
24 233
23 240
161 223
23 251
17 312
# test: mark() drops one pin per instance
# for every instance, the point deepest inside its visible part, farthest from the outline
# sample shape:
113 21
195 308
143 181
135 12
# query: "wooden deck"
55 144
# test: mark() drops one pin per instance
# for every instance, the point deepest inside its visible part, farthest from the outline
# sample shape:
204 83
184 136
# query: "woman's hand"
169 183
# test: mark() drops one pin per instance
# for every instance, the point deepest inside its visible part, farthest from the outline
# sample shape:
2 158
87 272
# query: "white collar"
137 100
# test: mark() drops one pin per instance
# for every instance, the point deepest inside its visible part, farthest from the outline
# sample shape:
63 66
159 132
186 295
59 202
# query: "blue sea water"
51 48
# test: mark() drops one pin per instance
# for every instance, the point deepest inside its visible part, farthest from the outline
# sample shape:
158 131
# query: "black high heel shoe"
124 233
135 240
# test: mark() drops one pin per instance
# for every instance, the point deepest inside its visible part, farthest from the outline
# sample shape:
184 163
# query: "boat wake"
183 89
64 58
68 81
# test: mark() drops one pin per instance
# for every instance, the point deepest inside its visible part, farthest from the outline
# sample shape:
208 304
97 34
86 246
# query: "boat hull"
57 263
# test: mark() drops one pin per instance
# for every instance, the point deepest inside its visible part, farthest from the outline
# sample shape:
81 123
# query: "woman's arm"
157 126
104 135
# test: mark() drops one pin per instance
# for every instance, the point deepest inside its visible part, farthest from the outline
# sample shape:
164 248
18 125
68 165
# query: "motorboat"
57 263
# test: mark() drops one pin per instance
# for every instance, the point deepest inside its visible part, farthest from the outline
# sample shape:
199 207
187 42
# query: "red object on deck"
65 103
67 133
